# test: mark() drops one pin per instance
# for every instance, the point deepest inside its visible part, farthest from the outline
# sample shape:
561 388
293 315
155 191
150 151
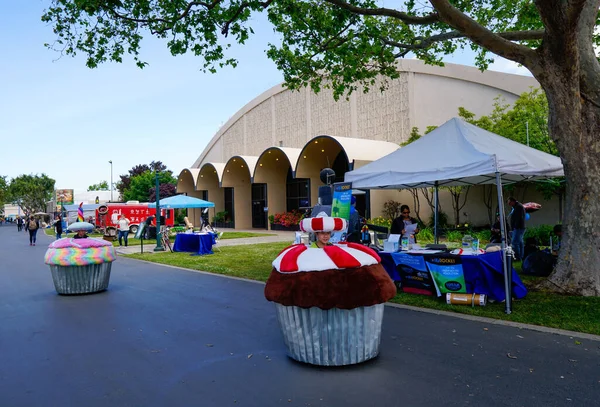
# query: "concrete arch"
209 180
272 169
238 175
322 151
186 181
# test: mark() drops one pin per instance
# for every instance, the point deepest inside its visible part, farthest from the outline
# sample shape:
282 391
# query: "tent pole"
435 214
507 272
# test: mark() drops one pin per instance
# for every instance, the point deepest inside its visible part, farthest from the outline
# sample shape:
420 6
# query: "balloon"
527 216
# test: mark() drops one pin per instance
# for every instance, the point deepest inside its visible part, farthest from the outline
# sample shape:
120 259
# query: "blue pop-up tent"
182 201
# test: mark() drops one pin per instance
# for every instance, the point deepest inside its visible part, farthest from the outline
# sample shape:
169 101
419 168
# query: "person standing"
517 224
19 224
32 226
123 229
399 224
58 227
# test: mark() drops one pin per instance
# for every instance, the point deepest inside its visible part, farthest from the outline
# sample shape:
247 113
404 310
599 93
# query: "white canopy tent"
459 153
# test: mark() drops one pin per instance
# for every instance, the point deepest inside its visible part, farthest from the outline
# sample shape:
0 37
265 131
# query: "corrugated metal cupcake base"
334 337
81 279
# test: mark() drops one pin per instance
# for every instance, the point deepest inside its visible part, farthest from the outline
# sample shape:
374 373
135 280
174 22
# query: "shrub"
442 220
454 236
484 236
541 233
220 216
288 219
391 209
426 234
380 221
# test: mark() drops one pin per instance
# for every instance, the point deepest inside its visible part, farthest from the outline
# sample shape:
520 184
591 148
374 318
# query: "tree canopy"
354 44
32 192
143 185
136 170
4 198
101 186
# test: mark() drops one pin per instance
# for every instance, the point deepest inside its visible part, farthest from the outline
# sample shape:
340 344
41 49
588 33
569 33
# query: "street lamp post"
159 247
111 180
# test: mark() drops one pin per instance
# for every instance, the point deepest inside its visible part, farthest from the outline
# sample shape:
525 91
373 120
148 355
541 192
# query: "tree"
165 191
32 192
525 122
354 45
4 197
139 169
102 186
141 185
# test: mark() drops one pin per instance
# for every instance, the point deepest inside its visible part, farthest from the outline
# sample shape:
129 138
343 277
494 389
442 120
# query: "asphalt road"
162 336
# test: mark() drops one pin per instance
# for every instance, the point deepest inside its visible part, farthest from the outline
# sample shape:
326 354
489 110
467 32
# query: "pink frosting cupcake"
80 266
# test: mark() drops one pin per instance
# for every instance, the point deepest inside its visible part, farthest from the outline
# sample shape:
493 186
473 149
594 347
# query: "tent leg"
435 214
506 251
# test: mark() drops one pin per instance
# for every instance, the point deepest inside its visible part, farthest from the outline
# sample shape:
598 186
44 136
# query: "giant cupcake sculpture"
80 265
329 300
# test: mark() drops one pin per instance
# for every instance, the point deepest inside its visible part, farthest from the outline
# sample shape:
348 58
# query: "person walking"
19 224
32 226
123 229
517 224
58 227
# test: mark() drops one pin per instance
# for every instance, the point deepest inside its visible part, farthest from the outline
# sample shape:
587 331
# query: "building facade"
266 159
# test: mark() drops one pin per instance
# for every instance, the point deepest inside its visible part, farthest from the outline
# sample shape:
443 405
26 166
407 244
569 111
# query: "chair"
188 225
217 239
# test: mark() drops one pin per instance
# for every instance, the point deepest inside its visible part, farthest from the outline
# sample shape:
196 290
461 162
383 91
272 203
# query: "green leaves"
31 192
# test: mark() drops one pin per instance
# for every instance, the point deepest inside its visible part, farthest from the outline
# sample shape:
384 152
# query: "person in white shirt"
123 226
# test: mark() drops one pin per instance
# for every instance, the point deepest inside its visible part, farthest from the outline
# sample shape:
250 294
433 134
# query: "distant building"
269 154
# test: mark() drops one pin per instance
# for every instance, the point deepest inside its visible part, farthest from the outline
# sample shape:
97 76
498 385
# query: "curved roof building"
266 159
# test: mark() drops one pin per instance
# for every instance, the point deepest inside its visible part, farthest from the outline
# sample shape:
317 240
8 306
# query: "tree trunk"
574 125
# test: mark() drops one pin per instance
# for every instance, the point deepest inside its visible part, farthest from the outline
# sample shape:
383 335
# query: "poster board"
140 231
447 273
340 207
414 275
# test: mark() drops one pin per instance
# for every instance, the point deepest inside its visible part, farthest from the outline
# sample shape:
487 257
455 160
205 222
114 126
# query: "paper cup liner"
81 279
333 337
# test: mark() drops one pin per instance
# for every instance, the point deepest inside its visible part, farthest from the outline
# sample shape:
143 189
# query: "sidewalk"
278 236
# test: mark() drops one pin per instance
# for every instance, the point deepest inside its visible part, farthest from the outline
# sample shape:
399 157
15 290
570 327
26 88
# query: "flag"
80 213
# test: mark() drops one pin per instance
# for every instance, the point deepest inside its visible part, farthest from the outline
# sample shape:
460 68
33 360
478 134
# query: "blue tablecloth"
483 274
197 243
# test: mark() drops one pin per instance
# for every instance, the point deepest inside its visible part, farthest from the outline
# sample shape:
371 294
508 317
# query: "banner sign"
340 206
414 275
447 272
342 197
64 196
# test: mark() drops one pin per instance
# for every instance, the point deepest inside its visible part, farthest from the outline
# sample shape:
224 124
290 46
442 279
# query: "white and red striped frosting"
323 224
300 258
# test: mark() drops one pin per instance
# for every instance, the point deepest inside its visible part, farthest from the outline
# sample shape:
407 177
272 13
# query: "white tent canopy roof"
456 153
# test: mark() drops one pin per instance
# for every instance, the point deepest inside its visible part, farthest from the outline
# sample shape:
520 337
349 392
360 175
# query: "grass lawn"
239 235
580 314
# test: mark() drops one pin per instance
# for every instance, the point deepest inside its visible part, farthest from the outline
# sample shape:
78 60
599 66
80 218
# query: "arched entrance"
209 188
237 177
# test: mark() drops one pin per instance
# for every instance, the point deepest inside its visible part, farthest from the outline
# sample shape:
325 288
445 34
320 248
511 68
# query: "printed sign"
340 206
414 274
64 196
447 273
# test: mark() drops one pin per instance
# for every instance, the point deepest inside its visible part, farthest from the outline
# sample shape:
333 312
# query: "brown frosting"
345 289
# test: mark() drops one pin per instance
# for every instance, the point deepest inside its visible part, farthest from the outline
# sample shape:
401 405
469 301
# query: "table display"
440 273
198 243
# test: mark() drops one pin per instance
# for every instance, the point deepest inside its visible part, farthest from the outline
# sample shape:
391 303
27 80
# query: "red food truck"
107 215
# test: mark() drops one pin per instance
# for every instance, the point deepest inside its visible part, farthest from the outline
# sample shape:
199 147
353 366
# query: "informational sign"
64 196
447 273
414 275
340 207
140 231
342 197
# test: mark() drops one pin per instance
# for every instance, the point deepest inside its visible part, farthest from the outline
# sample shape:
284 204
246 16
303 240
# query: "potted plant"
286 220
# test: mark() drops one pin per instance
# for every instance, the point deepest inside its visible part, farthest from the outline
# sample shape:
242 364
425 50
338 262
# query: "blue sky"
66 120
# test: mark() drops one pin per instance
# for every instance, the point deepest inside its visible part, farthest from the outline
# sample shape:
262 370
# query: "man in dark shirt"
517 224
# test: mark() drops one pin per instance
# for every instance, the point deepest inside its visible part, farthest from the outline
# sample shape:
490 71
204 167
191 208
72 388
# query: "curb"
492 321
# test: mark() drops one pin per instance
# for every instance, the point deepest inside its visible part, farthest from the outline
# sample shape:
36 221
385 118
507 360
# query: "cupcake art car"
330 301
